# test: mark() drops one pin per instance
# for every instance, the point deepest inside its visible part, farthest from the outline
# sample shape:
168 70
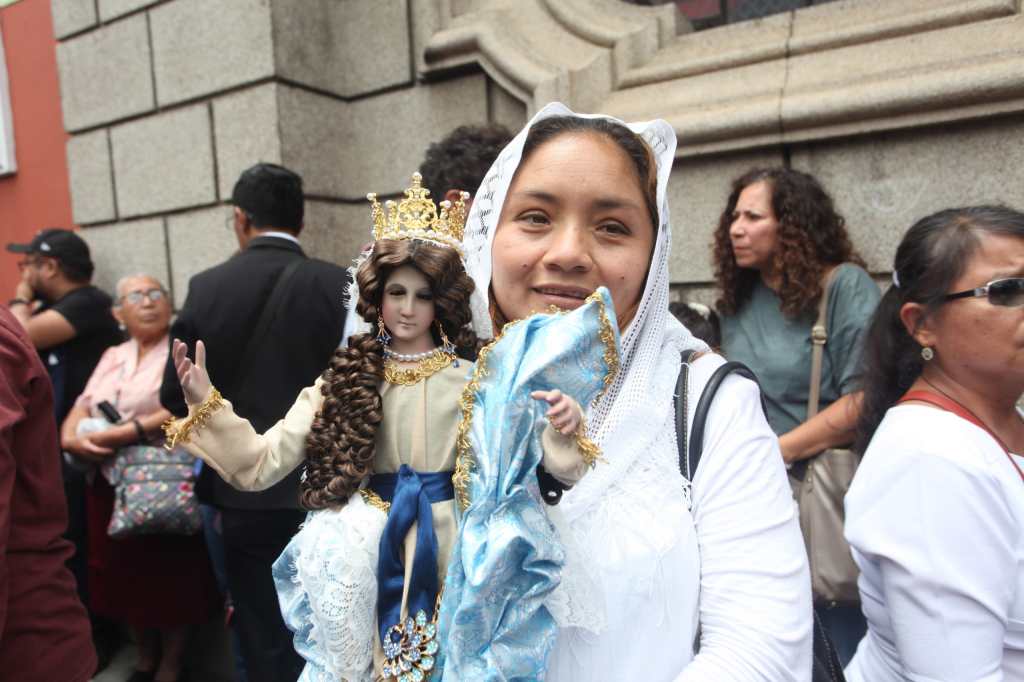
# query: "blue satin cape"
507 558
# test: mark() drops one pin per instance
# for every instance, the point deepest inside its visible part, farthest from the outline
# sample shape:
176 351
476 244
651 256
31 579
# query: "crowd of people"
415 468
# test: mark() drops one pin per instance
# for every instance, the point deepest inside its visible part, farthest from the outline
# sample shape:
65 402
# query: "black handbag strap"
267 316
691 446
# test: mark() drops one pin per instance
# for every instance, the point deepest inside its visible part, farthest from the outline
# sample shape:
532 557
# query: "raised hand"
564 415
195 381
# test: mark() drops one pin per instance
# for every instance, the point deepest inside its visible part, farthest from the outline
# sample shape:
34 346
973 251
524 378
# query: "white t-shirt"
935 518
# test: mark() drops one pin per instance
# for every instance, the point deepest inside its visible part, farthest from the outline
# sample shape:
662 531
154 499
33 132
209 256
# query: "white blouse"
736 566
935 518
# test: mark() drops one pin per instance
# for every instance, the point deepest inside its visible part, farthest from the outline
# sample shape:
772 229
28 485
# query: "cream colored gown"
419 427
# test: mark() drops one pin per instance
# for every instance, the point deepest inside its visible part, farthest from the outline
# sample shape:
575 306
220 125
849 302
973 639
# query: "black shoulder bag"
825 666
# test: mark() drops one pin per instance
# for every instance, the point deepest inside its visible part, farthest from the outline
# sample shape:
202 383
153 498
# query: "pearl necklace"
414 357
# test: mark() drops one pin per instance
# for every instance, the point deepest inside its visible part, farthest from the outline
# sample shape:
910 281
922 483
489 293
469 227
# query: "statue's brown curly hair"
340 445
812 237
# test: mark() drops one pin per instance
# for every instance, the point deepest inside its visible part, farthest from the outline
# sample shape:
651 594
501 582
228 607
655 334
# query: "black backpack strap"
682 407
693 444
270 309
826 666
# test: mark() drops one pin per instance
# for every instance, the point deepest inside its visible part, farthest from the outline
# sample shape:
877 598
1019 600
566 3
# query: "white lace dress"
327 576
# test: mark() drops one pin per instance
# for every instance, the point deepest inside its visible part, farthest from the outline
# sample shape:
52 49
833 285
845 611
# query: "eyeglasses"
135 297
1007 292
29 262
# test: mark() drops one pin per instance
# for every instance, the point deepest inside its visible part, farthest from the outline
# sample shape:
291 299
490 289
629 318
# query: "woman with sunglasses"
935 515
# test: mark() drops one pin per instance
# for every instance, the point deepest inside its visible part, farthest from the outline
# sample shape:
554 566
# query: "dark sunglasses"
1007 292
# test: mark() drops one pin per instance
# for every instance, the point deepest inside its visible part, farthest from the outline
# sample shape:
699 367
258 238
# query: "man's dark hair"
462 158
707 328
271 196
77 273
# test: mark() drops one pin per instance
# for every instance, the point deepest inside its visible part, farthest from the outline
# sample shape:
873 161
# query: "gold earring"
927 354
382 333
447 347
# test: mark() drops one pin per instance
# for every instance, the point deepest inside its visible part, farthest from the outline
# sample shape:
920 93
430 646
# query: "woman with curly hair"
779 248
378 432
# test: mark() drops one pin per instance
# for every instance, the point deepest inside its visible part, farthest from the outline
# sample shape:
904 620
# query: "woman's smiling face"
575 218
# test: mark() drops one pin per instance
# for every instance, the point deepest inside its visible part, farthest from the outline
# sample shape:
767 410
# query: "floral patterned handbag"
153 492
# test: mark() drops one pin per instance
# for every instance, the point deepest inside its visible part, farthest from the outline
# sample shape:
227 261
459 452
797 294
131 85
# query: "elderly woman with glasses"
158 584
935 515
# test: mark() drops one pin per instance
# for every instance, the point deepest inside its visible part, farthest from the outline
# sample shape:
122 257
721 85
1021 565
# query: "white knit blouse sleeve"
937 536
755 598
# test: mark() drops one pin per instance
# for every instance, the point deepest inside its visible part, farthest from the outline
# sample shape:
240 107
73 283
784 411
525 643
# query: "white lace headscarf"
627 422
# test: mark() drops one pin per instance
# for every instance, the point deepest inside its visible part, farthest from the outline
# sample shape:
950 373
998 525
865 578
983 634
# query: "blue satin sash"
410 493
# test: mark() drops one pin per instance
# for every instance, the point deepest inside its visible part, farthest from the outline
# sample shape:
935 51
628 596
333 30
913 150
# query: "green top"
778 348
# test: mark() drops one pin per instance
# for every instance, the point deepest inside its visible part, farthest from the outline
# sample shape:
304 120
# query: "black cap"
271 195
64 245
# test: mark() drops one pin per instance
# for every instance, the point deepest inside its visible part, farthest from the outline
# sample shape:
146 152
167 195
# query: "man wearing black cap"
68 320
270 318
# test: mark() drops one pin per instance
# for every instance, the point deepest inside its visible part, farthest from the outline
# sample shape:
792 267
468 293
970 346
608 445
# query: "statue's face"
408 309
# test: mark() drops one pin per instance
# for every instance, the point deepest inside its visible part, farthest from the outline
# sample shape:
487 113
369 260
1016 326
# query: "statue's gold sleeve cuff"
178 431
588 449
568 457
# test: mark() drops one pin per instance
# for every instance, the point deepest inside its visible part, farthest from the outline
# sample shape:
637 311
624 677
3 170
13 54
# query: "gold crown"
416 217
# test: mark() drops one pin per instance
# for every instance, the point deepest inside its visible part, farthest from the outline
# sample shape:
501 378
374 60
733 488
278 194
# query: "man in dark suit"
270 318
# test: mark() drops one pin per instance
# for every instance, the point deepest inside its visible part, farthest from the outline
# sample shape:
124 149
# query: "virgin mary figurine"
420 464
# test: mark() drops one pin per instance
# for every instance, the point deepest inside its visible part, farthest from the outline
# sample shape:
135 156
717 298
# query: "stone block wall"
168 101
899 108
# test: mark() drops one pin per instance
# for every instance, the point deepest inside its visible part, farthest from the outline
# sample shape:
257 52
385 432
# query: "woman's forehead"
575 162
580 146
997 255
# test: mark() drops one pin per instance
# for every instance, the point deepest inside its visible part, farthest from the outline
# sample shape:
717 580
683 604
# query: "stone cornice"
843 68
964 71
813 29
542 50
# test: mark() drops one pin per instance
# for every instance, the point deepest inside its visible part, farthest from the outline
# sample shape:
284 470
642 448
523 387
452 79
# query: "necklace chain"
999 440
434 363
965 408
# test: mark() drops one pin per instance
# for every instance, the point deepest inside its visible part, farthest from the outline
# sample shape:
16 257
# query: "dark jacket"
44 630
223 307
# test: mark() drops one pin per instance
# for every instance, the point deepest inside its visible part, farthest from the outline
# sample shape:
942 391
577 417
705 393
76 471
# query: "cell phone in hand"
110 412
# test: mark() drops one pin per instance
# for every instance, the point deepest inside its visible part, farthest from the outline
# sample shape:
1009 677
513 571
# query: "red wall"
37 195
